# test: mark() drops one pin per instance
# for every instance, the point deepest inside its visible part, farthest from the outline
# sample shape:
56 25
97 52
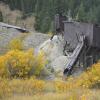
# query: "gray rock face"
59 63
54 53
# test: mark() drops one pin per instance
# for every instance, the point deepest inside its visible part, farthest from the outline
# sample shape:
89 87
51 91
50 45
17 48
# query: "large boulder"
53 50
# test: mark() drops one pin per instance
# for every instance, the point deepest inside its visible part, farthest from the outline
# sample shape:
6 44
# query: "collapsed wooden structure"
85 50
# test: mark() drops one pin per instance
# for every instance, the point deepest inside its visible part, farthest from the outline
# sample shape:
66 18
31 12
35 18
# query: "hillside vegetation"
44 11
21 77
31 65
84 87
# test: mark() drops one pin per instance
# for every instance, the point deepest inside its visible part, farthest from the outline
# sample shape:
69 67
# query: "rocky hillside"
53 49
6 35
30 40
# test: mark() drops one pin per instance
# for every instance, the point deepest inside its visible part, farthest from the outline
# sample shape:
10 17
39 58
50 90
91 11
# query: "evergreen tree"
1 17
44 10
81 13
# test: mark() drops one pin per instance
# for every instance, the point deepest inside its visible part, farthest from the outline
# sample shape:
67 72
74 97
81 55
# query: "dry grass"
47 96
94 95
33 89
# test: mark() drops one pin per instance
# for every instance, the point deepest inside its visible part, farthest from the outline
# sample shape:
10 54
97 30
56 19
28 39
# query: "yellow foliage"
33 87
16 44
91 77
87 79
50 33
3 69
25 63
20 64
41 61
18 86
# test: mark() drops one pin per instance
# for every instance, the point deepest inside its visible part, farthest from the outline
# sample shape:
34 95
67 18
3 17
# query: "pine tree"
81 15
1 17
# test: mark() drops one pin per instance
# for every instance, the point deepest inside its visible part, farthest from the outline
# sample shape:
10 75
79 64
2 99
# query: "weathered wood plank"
15 27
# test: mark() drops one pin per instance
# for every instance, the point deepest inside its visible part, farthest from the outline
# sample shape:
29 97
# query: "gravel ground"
6 35
32 40
35 39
